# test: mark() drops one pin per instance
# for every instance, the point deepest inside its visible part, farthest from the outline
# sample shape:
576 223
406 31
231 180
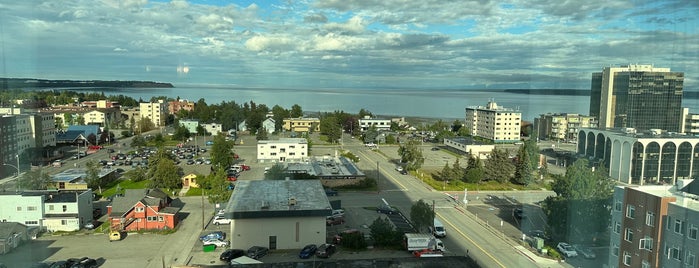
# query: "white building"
499 124
470 146
282 150
269 124
50 210
213 128
380 124
155 111
277 214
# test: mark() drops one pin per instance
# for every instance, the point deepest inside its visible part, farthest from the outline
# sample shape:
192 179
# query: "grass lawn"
194 192
126 184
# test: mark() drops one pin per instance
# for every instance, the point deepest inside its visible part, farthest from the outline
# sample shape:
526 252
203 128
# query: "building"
278 214
190 125
213 128
493 122
100 104
691 123
639 158
74 178
128 113
282 150
102 117
301 124
155 111
13 234
562 126
470 146
332 171
9 147
175 106
269 125
637 96
655 226
380 124
142 209
190 180
49 210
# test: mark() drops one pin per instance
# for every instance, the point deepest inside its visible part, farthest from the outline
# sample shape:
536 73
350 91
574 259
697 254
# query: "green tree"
446 172
524 173
498 166
411 154
165 174
136 174
221 155
279 114
276 172
138 141
383 233
181 133
354 241
92 174
145 125
35 179
533 151
216 186
296 111
330 127
422 215
370 134
474 175
80 120
390 139
261 134
457 171
463 132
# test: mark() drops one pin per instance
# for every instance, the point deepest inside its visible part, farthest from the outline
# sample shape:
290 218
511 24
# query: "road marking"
469 239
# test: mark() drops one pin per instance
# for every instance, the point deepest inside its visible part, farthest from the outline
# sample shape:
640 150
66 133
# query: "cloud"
118 49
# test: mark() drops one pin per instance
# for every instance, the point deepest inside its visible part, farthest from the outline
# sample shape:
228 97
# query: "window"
139 209
51 207
674 252
617 227
161 218
31 208
679 227
617 206
630 211
690 258
628 235
650 219
627 258
151 218
19 208
645 264
65 208
692 231
615 250
31 222
64 222
646 243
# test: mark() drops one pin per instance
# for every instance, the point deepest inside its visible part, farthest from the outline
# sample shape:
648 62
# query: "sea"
425 103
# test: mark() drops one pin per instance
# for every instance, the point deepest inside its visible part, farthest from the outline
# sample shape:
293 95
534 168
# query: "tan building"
100 104
155 111
301 124
562 126
175 106
277 214
493 122
190 180
101 116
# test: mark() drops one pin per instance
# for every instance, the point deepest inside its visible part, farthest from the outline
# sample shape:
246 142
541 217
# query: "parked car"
566 250
308 251
231 254
386 210
213 235
90 225
334 221
399 169
330 192
336 213
85 263
540 234
325 250
337 239
257 252
218 243
190 162
404 172
585 251
221 220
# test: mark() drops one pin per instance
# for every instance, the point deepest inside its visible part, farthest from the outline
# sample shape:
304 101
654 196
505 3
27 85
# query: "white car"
566 250
221 220
216 242
337 213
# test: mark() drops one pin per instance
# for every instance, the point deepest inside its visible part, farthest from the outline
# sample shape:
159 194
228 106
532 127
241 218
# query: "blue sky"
347 43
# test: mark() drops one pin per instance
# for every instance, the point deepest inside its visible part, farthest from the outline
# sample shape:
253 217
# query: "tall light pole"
19 187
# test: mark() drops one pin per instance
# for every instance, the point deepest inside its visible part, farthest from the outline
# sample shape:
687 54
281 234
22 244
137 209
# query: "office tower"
637 96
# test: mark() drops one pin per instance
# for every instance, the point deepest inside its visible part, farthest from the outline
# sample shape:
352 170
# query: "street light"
19 188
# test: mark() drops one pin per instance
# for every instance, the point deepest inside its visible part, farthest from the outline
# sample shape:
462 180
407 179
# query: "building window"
692 232
630 211
650 219
151 218
674 252
31 222
31 208
19 208
617 227
690 259
139 209
161 218
64 222
627 258
51 207
628 235
645 264
65 208
646 243
615 250
679 227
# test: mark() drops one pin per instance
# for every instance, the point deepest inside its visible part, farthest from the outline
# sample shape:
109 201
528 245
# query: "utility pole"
203 225
378 180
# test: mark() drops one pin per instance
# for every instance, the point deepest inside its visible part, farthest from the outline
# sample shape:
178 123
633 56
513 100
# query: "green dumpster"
209 248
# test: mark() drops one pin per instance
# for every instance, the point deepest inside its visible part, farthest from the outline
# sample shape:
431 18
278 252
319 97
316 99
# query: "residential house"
301 124
380 124
142 209
269 125
190 180
13 234
49 210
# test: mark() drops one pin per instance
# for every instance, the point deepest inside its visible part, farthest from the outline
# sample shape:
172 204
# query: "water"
447 104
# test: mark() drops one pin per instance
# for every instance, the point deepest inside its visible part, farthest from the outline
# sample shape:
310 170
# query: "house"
12 234
278 214
49 210
282 150
190 180
269 125
301 124
142 209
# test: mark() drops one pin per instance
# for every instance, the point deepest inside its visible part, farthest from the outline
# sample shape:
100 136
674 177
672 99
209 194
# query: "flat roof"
77 175
467 141
285 140
271 198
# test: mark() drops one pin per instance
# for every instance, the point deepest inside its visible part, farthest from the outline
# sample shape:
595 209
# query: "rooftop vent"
292 201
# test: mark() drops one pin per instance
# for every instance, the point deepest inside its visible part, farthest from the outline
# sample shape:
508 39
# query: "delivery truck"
414 242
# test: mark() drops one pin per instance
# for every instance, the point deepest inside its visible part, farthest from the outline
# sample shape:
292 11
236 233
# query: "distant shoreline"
11 83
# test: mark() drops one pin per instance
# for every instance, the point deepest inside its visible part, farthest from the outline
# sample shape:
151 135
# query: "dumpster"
209 248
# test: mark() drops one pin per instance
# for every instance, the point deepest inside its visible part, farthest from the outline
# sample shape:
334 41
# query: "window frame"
627 258
692 232
630 211
646 243
650 219
628 235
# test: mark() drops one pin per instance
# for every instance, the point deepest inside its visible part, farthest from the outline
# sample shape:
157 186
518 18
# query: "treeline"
7 83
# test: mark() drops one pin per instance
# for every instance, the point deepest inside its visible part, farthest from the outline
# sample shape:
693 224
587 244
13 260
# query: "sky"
425 44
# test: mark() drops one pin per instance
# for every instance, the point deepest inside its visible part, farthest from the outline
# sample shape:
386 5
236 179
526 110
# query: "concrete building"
380 124
190 125
9 147
49 210
278 214
175 106
655 226
637 96
43 129
639 158
493 122
690 122
328 168
100 104
127 113
301 124
155 111
282 150
102 117
562 126
470 146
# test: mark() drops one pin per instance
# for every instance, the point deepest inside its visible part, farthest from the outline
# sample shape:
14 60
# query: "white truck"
438 229
419 242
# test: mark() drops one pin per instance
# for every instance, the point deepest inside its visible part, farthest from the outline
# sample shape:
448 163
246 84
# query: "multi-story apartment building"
690 122
49 210
43 129
640 158
378 123
100 104
562 126
282 150
102 116
155 111
175 106
654 226
493 122
637 96
128 113
301 124
8 145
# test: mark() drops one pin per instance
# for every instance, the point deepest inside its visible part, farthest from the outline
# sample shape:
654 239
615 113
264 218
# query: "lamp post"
19 188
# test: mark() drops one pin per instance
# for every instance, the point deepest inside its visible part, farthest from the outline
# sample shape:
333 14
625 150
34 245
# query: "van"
57 163
439 230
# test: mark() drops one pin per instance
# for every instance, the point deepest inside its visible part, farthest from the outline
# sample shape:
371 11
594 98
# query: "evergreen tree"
221 152
261 134
498 166
524 171
422 215
411 154
383 233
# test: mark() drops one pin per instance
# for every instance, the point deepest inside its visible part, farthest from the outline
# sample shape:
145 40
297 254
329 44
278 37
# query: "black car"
386 210
330 192
308 251
325 250
85 263
257 252
230 254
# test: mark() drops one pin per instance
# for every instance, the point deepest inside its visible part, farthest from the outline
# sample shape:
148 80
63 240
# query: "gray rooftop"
468 141
327 167
77 175
271 198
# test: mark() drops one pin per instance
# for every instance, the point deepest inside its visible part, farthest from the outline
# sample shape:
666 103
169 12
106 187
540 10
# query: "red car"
334 221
